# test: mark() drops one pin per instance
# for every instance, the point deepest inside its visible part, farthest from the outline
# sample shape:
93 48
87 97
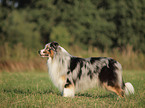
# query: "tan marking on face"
47 52
51 54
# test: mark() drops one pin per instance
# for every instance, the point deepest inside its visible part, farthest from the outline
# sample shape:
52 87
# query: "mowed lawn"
34 89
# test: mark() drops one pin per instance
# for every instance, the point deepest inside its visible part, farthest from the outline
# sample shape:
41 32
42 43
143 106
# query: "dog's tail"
129 89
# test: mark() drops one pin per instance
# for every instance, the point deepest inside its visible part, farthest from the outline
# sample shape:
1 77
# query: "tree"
99 23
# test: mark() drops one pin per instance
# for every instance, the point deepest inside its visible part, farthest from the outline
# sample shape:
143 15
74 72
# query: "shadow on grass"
96 96
28 91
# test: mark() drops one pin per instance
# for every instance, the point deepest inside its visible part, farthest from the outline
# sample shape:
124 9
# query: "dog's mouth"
44 55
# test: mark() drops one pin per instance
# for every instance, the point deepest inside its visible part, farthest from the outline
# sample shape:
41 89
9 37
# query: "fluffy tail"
129 89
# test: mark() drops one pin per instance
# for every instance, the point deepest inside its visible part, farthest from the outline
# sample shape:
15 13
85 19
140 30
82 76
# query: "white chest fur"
57 72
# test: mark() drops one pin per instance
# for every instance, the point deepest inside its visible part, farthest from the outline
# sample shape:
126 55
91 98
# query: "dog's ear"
54 45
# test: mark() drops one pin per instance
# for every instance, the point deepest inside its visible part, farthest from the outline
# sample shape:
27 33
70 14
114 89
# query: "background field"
99 28
34 89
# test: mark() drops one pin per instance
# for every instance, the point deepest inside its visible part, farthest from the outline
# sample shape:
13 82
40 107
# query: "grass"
34 89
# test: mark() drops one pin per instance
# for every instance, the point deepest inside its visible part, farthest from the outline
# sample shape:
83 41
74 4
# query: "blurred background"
85 28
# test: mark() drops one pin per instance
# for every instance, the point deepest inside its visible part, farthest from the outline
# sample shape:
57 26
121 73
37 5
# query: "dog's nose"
39 51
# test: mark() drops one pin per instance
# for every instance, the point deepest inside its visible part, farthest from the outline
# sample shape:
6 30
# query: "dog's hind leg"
115 89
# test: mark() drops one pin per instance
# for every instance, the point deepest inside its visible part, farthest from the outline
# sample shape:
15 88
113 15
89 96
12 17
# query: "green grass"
30 89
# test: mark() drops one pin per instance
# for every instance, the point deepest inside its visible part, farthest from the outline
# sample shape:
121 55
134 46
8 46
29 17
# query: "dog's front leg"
69 89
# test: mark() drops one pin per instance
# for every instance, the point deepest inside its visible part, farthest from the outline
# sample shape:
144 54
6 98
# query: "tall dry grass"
18 58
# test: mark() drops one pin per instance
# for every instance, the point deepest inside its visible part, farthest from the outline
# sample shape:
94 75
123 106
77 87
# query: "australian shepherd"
71 74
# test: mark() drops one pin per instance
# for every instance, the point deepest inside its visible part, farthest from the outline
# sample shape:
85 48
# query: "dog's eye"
49 50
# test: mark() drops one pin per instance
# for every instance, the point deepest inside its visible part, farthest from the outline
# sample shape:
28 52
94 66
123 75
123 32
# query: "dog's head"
49 50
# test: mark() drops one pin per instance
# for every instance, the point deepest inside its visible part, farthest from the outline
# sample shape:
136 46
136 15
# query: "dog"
72 74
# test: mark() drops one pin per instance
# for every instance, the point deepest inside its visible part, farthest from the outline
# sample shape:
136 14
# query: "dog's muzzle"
43 53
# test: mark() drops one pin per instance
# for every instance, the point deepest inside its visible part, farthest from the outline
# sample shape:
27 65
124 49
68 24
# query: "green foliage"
16 31
102 24
61 35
